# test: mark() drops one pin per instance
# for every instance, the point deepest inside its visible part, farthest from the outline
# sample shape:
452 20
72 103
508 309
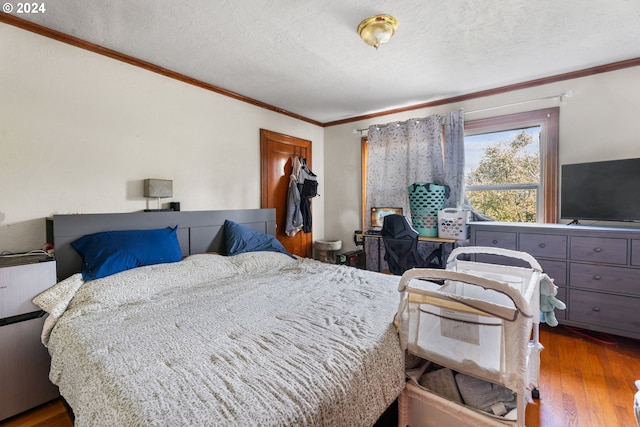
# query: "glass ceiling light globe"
377 30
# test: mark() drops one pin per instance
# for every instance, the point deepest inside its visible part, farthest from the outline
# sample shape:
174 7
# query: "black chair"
400 244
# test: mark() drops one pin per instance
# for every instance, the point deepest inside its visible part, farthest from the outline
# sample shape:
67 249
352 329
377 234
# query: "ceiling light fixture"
378 29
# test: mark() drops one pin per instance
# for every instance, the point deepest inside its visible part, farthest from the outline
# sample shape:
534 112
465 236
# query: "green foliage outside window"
506 164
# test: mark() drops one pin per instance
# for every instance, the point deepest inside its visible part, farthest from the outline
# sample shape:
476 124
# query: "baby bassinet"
475 319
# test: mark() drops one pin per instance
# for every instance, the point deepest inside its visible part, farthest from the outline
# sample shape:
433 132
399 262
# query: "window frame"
364 155
548 120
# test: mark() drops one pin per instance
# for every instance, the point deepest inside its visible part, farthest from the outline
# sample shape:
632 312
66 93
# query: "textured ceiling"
306 57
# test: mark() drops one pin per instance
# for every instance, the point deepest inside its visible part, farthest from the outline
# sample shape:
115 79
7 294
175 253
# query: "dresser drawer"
24 370
606 278
20 283
496 239
635 252
599 249
610 311
557 270
544 245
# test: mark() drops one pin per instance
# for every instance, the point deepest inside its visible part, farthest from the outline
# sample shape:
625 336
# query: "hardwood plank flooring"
583 383
52 414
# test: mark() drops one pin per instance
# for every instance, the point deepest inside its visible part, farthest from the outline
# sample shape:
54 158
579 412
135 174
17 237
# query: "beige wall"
79 132
596 123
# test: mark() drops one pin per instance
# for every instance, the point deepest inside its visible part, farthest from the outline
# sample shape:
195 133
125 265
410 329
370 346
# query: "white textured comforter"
254 339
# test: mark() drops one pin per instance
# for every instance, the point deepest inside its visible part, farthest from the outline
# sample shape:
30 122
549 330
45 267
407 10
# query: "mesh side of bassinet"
462 341
480 344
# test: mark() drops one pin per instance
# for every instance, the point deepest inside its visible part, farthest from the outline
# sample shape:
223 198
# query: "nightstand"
24 361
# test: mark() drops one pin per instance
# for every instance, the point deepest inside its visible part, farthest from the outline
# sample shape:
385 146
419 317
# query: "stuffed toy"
549 302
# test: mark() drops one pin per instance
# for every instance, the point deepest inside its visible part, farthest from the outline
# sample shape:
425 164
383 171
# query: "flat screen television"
601 191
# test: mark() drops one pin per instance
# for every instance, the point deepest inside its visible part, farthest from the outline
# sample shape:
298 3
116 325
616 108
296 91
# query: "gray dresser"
597 269
24 361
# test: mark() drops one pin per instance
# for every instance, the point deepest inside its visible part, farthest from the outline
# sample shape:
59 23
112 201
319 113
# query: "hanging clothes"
308 188
294 220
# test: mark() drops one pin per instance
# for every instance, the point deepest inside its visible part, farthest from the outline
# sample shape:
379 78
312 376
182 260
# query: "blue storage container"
426 199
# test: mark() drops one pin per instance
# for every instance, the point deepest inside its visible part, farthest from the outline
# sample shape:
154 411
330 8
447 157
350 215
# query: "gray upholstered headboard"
198 231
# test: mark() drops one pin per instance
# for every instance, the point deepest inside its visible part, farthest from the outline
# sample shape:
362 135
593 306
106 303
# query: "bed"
256 338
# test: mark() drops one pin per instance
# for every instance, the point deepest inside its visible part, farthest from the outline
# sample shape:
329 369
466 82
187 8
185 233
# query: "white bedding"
254 339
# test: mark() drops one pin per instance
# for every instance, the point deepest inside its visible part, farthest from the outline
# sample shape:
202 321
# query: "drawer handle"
542 245
495 242
596 309
597 250
597 277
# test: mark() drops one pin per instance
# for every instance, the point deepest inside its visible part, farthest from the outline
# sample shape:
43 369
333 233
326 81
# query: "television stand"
574 222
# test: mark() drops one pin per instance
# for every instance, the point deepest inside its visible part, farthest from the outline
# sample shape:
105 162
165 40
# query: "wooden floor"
584 382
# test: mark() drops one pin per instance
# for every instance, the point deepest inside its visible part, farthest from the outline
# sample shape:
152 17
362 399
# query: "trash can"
327 249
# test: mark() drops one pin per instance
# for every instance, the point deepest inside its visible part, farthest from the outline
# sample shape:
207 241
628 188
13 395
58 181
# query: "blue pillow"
111 252
240 238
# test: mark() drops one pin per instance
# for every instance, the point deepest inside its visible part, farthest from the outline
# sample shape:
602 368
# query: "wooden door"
276 154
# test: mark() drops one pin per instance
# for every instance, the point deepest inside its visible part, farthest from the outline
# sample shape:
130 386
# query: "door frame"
303 144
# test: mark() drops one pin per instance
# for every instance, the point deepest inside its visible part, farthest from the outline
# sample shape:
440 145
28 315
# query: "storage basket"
419 407
426 200
452 224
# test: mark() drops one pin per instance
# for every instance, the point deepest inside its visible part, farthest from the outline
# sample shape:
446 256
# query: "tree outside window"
511 171
503 174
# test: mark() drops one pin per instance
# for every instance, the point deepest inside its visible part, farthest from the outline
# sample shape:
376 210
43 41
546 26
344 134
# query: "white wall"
597 123
79 132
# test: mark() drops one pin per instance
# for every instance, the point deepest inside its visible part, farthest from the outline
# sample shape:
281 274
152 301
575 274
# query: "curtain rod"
561 97
398 124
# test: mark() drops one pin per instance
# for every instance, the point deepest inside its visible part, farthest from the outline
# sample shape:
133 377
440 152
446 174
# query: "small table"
441 240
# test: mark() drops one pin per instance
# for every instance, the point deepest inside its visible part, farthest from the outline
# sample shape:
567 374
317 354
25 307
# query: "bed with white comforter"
253 339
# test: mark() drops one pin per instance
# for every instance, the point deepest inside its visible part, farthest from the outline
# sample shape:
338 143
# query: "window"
545 190
512 166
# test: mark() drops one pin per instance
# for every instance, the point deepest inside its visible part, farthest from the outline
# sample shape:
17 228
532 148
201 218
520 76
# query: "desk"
441 240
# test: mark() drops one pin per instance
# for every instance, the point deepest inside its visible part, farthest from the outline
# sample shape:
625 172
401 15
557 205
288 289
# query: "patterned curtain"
401 153
454 159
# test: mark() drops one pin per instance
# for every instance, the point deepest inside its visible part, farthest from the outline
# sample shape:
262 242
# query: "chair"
400 244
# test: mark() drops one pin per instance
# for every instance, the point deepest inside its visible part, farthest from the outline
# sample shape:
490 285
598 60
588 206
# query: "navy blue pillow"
111 252
240 238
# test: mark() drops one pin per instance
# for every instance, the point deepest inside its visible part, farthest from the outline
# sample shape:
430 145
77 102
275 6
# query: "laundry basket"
426 199
452 224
